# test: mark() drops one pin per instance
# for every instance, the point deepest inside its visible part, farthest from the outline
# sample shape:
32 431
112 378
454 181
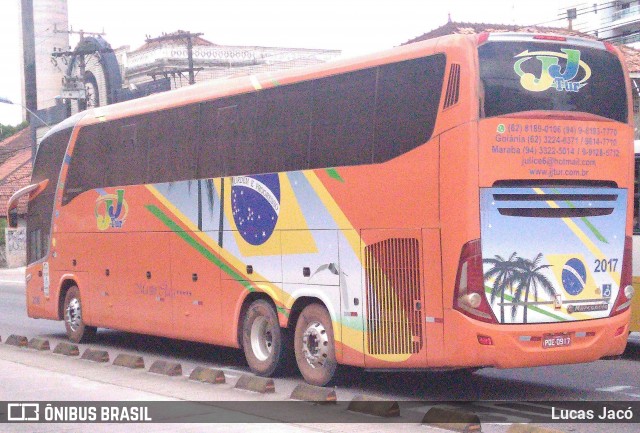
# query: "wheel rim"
261 338
315 345
74 314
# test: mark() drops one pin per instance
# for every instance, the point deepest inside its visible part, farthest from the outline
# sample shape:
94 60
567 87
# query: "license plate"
549 341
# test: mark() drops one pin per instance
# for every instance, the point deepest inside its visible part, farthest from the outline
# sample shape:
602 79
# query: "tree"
8 130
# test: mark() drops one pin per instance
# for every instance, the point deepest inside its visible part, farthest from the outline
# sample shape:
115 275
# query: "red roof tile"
15 168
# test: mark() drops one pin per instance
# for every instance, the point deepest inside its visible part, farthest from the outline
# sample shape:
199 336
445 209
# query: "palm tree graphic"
504 272
526 274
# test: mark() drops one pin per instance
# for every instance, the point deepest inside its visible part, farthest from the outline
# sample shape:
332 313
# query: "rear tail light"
469 297
482 38
611 48
626 289
550 38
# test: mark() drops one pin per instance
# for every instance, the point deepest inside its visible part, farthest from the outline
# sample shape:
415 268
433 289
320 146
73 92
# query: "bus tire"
77 330
264 342
315 346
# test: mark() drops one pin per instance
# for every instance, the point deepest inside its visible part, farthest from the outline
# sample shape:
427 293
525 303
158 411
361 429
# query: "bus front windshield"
521 76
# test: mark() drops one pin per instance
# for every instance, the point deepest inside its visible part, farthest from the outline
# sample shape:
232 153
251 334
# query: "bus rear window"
530 76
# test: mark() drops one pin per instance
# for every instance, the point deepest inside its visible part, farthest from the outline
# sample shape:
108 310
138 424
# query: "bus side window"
171 139
124 154
283 126
88 164
408 101
343 119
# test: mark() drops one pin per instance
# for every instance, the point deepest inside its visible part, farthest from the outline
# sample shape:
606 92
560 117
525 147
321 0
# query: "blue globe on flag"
255 203
574 276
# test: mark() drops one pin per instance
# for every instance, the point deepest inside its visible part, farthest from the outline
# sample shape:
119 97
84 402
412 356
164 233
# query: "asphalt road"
609 380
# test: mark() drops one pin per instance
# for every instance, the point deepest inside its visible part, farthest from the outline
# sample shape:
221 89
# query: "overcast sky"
354 26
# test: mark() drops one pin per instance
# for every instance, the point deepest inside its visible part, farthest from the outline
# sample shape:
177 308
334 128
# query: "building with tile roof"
15 173
15 169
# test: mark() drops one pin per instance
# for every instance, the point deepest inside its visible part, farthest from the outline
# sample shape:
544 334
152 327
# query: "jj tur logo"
23 412
111 210
557 70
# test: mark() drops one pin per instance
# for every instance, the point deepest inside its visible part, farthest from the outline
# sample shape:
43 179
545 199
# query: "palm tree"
529 277
504 274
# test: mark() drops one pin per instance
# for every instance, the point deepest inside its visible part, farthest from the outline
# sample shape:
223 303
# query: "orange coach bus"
634 326
455 203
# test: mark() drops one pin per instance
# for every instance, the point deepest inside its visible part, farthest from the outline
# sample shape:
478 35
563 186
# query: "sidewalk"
27 375
12 275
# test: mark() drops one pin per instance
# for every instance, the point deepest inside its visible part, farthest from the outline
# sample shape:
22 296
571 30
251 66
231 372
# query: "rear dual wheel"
267 347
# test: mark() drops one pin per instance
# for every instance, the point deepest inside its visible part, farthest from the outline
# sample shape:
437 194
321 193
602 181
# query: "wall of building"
50 21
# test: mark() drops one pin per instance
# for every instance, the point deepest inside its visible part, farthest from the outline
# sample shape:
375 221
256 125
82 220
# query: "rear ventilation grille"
560 205
394 303
453 87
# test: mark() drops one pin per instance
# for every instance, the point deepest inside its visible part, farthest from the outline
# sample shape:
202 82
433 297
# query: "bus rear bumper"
478 344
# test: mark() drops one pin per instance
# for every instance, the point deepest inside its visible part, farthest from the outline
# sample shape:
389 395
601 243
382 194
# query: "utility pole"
29 60
74 87
188 37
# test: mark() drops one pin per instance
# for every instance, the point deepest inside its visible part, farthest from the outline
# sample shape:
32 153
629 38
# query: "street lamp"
4 100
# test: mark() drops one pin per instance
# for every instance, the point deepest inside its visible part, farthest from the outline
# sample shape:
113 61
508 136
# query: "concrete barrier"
312 393
207 375
95 355
374 406
39 344
67 349
263 385
452 419
17 340
129 361
166 368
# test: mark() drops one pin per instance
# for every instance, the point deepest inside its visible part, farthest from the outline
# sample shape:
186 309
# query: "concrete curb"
312 393
129 361
263 385
17 340
526 428
374 406
166 368
67 349
95 355
207 375
452 419
39 344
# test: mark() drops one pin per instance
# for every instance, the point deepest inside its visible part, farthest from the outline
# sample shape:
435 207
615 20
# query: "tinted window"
355 118
343 119
408 101
171 138
40 211
89 164
526 76
228 144
283 126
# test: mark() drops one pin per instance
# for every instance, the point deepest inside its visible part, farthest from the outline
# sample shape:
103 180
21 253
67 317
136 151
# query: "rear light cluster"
469 297
623 301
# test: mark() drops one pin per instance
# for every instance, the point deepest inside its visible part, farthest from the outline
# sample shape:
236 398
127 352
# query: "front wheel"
264 342
77 331
315 345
